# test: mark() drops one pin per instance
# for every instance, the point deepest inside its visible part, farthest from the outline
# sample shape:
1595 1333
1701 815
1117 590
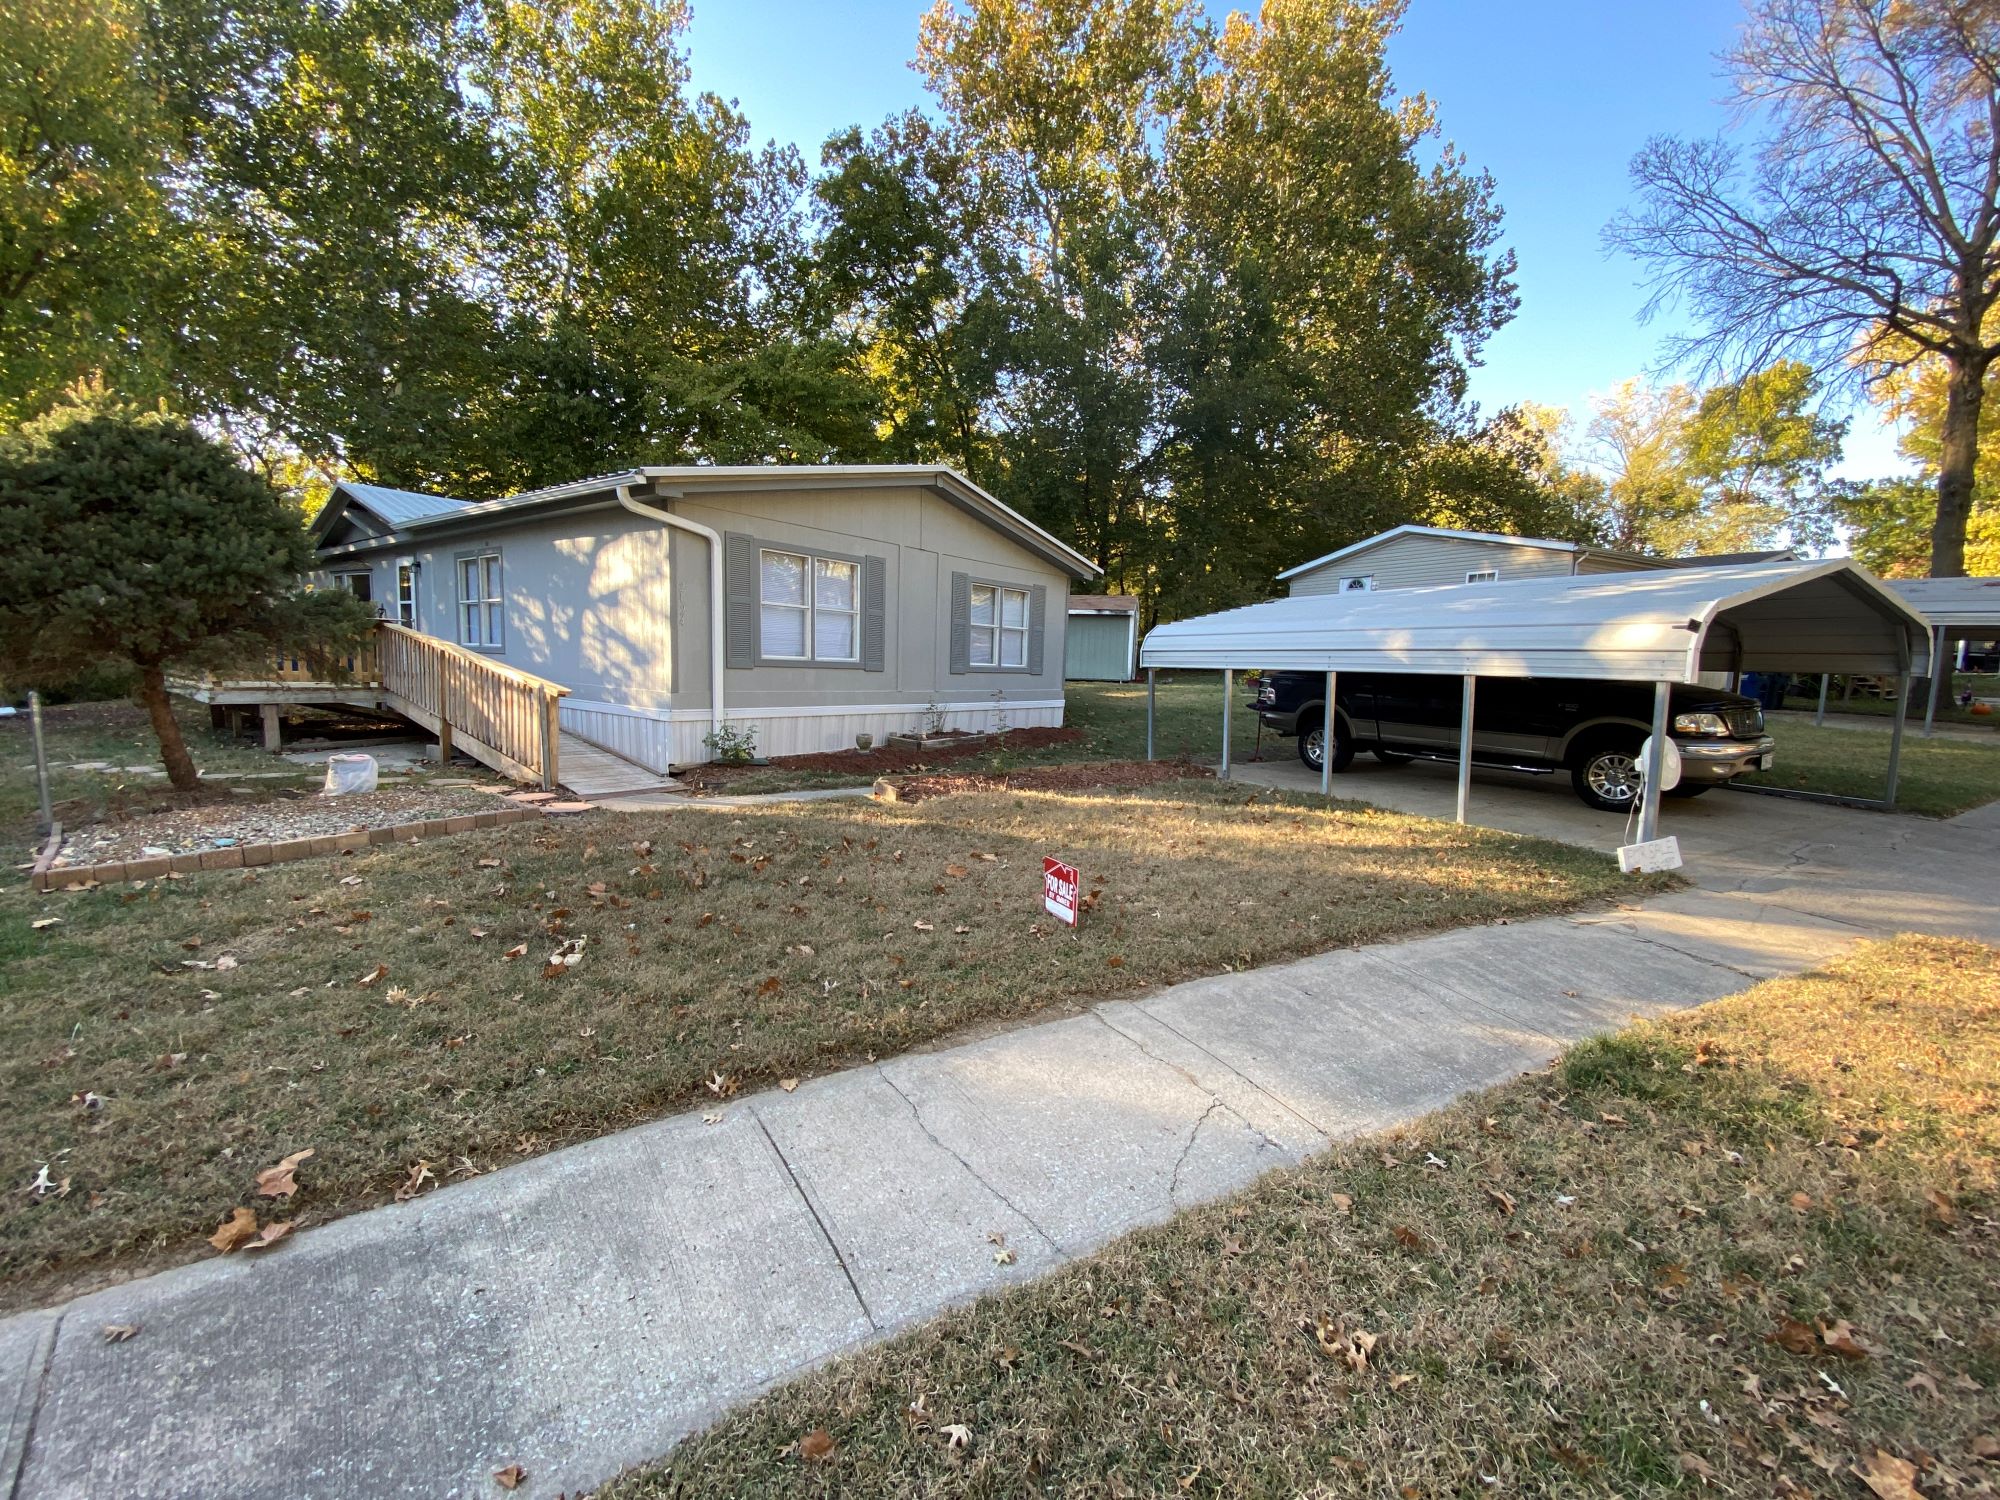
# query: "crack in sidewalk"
13 1480
1174 1182
1247 1081
971 1171
826 1234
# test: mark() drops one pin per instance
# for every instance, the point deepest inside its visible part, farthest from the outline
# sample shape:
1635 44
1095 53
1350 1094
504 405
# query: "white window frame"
482 617
406 594
1482 575
1000 631
812 609
1365 580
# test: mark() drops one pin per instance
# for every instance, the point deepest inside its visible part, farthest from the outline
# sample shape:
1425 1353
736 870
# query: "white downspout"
716 603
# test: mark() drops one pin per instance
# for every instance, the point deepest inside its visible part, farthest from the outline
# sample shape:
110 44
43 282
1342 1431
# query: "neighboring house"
1408 557
1103 644
803 604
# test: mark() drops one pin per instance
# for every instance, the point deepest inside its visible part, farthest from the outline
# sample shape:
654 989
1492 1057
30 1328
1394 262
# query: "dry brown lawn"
1748 1251
398 1013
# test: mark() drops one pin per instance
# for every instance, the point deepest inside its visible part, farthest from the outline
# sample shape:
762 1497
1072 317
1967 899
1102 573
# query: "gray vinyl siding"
1414 561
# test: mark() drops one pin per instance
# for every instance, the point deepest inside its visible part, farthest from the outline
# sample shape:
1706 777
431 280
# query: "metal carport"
1659 627
1958 609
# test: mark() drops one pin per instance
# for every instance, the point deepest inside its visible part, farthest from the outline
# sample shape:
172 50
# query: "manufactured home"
676 609
1415 557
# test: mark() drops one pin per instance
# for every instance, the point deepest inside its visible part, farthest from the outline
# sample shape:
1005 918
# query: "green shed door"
1098 649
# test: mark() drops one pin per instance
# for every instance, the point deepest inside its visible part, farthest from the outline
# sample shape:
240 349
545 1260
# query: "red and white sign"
1061 886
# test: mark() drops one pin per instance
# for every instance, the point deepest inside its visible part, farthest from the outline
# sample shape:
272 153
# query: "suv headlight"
1700 724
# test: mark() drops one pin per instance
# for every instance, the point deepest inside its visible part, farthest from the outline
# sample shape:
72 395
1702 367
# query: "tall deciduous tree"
1759 449
1869 208
127 536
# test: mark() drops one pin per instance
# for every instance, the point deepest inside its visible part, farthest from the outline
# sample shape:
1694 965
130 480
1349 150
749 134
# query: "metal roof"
1955 603
1546 544
1671 624
684 479
399 507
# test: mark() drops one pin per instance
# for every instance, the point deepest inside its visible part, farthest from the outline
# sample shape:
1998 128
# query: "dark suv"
1591 729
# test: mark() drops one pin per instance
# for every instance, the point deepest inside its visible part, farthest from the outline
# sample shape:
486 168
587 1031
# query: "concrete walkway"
586 1310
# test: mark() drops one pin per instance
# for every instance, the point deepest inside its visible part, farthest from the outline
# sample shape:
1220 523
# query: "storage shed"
1103 640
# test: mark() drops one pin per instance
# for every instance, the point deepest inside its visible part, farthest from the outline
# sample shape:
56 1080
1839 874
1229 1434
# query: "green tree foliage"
82 201
129 537
1740 466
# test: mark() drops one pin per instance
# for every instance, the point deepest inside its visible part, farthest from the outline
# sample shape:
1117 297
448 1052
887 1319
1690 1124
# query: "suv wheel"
1312 745
1606 776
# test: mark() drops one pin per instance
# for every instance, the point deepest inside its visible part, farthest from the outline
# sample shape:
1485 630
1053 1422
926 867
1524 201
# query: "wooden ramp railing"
497 714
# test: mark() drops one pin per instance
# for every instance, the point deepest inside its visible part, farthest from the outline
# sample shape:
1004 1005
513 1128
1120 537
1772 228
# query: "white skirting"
661 739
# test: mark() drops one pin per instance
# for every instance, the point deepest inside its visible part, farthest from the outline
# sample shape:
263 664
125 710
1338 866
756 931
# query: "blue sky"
1551 96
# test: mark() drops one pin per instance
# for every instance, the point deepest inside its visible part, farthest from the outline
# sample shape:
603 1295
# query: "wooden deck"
499 715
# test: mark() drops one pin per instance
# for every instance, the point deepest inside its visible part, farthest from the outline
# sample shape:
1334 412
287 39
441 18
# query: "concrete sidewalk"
586 1310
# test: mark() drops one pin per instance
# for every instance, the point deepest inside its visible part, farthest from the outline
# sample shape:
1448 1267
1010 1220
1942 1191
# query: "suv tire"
1312 736
1605 774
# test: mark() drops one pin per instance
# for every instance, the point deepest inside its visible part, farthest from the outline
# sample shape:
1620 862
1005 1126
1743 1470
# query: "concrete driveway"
1879 872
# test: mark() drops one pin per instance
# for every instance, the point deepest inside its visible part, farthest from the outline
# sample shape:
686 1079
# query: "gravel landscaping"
269 820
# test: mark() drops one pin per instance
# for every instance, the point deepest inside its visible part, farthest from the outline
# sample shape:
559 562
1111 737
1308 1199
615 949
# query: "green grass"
1939 777
113 732
1737 1252
734 946
1111 717
1982 684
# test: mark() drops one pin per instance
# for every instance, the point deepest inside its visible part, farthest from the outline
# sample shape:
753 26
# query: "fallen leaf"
817 1446
1840 1336
1694 1463
1941 1206
1341 1202
1408 1238
350 880
43 922
1793 1337
270 1234
519 950
956 1435
720 1085
118 1333
1890 1477
1924 1382
1004 1256
489 864
280 1181
922 926
373 976
1802 1201
510 1478
1619 1120
956 872
236 1230
788 1084
420 1173
1502 1201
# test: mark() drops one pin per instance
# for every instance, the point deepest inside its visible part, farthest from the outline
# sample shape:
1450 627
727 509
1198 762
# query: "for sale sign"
1060 887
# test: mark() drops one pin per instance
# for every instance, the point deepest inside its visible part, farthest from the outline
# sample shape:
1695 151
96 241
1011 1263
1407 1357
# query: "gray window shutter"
739 585
1038 604
961 623
874 613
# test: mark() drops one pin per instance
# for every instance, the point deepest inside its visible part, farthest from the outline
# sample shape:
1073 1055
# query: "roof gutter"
717 715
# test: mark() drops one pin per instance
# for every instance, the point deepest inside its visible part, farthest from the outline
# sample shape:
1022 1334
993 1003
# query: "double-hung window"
999 626
810 607
406 594
481 604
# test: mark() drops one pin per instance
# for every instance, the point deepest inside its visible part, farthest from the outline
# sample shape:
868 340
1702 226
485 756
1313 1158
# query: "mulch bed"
882 760
1078 778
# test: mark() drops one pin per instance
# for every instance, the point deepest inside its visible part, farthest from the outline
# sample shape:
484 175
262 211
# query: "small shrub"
731 744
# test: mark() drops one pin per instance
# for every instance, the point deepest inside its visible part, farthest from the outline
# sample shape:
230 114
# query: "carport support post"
1896 739
1465 751
1656 763
1937 661
1152 693
1228 692
1819 718
1326 741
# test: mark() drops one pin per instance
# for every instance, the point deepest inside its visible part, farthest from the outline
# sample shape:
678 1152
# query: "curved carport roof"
1664 626
1659 627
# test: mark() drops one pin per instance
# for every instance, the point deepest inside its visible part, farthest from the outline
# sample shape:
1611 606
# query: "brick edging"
255 856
